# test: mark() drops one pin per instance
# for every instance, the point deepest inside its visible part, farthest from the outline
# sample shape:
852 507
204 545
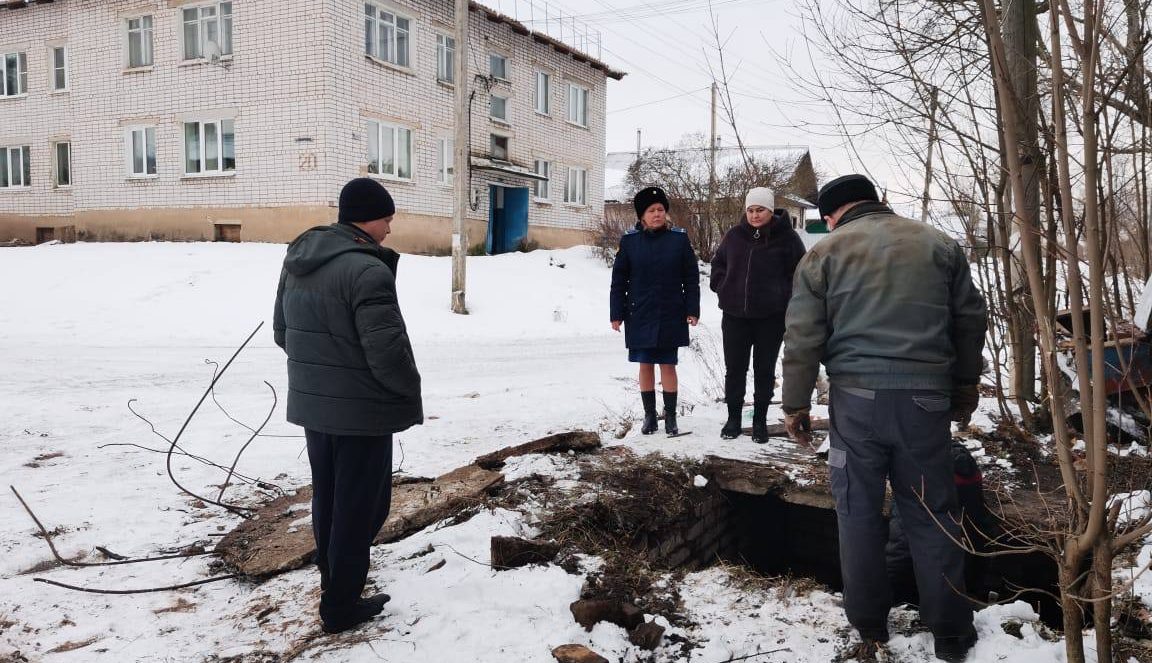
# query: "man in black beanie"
352 384
887 304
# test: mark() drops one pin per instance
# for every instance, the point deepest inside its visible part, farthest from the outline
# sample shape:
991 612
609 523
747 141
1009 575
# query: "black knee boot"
732 428
670 426
760 421
649 400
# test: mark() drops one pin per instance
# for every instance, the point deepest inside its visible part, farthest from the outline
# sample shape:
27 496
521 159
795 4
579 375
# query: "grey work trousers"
904 437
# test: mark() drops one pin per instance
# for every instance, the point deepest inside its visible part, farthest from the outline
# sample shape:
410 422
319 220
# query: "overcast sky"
664 46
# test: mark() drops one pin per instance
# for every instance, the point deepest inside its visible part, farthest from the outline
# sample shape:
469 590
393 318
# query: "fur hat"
843 190
647 197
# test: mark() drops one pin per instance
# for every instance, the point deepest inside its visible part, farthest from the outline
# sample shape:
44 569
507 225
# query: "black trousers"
741 337
352 492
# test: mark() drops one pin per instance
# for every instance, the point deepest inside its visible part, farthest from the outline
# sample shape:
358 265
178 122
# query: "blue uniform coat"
655 287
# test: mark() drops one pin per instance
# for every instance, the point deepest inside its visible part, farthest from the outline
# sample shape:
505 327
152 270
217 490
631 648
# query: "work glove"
965 399
798 424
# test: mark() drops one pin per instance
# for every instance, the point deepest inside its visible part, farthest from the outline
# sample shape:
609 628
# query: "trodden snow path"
86 327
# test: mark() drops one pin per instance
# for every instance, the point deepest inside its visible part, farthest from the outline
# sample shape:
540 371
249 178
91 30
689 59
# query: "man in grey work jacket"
887 304
352 383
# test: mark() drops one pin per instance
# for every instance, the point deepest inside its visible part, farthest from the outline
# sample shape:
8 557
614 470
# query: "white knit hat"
761 196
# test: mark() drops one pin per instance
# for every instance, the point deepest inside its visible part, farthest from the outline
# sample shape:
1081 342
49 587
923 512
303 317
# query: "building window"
208 31
141 151
140 41
499 147
59 68
209 147
498 66
13 74
578 105
387 36
62 168
445 59
543 93
15 167
576 191
540 188
498 108
389 150
445 160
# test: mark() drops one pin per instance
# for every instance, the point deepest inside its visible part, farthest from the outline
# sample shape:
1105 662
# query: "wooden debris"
571 441
509 552
647 635
589 612
576 654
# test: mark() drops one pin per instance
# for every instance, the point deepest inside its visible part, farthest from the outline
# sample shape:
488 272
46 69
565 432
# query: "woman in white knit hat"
752 274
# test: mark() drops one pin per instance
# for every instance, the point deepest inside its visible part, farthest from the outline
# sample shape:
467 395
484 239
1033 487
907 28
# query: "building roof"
19 4
616 164
541 38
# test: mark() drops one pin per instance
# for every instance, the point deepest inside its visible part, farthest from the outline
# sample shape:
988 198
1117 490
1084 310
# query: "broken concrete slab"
279 538
509 552
571 441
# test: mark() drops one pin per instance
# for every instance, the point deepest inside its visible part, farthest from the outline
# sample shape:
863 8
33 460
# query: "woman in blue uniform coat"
655 296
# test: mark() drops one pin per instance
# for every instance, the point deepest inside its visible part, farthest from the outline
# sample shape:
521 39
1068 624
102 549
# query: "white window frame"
578 98
543 96
576 186
493 56
146 136
146 37
12 155
220 124
221 21
375 22
401 137
507 147
20 58
445 59
58 181
59 70
542 189
504 102
445 160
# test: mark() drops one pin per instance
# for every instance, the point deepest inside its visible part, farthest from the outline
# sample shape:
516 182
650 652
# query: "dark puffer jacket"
753 268
655 287
350 364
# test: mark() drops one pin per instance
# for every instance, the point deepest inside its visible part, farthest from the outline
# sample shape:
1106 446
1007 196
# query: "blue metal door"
507 218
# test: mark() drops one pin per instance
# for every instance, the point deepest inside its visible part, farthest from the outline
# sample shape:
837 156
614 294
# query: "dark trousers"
741 337
352 491
902 437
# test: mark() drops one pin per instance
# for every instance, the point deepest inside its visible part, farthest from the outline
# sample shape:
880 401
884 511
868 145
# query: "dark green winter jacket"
350 364
884 302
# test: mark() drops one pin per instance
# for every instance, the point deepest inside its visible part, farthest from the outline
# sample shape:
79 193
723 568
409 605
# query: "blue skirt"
667 356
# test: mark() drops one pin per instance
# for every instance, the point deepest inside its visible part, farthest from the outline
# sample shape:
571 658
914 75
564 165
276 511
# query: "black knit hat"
365 199
844 190
647 197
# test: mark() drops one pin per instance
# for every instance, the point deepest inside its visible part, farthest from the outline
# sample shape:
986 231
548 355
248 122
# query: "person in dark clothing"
752 274
655 295
978 526
352 384
888 305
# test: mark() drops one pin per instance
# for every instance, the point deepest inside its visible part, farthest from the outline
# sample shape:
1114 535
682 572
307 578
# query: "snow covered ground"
84 328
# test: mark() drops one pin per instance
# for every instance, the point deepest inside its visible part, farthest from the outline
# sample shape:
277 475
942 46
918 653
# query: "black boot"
760 420
363 610
670 426
649 400
732 429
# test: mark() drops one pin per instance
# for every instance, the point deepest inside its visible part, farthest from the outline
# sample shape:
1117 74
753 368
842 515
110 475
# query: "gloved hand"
965 400
798 424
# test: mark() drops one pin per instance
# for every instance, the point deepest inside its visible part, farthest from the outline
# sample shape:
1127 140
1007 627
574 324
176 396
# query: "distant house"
241 119
795 196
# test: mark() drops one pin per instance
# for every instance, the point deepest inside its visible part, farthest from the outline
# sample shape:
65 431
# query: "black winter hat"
844 190
365 199
647 197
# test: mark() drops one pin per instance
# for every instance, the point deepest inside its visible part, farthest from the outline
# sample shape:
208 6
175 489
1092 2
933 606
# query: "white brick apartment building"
195 119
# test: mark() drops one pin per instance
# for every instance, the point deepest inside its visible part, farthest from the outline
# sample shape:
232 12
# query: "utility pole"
462 150
637 143
712 164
